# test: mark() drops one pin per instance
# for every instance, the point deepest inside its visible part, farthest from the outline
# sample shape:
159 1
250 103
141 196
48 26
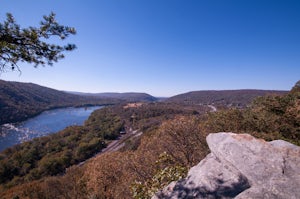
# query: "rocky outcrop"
241 166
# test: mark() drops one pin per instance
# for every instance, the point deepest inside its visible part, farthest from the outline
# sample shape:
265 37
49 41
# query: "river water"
46 123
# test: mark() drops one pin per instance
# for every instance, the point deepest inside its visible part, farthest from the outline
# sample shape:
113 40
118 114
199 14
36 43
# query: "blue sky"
167 47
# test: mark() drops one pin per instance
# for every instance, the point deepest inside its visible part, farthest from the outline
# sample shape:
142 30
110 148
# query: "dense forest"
172 141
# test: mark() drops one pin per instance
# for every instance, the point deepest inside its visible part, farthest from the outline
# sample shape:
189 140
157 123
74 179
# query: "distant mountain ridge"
128 96
19 101
236 98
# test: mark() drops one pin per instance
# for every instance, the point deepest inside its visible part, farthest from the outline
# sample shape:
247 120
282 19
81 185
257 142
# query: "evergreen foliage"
29 44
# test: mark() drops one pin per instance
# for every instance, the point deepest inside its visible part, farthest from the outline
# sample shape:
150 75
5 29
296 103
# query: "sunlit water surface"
46 123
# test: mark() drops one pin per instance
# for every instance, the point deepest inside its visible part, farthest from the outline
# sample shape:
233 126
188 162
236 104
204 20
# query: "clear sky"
168 47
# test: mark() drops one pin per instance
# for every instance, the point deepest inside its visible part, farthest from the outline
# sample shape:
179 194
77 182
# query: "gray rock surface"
241 166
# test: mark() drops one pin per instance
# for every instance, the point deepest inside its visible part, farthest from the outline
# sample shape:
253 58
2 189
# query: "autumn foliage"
166 150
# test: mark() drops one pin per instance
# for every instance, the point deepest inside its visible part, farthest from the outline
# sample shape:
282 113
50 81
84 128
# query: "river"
46 123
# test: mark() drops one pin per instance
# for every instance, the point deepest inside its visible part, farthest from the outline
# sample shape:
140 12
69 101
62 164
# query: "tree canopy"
30 44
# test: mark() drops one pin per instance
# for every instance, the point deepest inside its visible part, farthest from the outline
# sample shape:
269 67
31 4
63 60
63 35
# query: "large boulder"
241 166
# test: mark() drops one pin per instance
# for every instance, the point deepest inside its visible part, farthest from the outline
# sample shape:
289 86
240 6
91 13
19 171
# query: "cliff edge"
241 166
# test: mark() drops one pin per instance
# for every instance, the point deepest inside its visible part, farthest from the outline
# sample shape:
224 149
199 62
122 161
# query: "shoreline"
14 132
26 117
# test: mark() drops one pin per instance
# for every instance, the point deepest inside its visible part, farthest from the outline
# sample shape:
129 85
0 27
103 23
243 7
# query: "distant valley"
19 101
137 134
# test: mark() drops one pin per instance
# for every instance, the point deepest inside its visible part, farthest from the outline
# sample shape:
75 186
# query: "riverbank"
47 122
27 116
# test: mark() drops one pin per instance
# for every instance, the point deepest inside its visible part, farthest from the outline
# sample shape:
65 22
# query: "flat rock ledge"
241 166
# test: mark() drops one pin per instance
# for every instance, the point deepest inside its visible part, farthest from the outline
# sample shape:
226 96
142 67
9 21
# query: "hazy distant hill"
237 98
19 101
122 96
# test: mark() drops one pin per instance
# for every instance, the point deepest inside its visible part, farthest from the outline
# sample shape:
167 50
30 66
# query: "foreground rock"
240 166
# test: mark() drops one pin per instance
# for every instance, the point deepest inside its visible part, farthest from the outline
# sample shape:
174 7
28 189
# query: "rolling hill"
236 98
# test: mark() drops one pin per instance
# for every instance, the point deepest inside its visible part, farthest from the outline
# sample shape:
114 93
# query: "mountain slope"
19 101
237 98
131 96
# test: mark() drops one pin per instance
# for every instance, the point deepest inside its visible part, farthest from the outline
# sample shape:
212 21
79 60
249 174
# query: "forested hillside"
227 98
19 101
130 97
52 154
171 140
